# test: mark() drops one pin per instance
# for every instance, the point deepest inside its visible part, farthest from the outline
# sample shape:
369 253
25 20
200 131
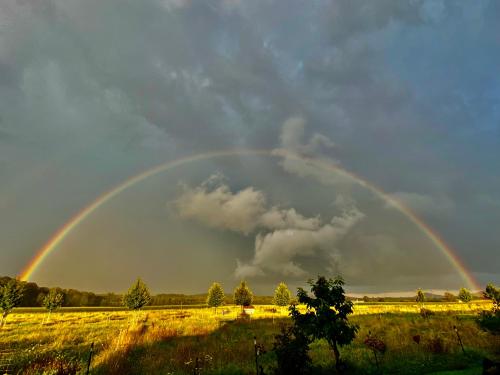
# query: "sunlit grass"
171 339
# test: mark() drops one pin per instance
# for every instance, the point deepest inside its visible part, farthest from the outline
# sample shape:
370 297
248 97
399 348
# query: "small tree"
137 296
11 295
282 295
490 320
464 295
327 314
243 296
215 296
493 293
420 298
52 301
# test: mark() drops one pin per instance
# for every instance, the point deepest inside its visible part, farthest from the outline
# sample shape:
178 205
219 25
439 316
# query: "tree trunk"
337 355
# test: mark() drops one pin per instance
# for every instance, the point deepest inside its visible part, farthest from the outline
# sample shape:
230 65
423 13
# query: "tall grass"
175 340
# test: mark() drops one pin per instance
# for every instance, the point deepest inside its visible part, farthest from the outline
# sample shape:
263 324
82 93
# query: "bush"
291 347
425 313
490 321
436 345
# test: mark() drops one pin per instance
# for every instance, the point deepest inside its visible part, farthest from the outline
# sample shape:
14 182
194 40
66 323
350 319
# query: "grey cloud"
220 208
293 140
277 251
215 205
282 234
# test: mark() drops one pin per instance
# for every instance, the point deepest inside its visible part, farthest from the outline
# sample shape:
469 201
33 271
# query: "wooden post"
256 355
459 339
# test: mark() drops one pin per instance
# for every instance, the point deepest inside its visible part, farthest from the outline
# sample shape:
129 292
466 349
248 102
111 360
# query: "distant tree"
215 297
30 294
449 297
53 300
243 296
366 299
327 314
137 296
282 295
464 295
11 295
420 298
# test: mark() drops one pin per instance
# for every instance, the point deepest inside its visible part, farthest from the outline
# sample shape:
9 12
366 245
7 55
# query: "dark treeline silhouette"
33 296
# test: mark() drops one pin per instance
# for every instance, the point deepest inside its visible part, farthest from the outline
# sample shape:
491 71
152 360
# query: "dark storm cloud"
92 92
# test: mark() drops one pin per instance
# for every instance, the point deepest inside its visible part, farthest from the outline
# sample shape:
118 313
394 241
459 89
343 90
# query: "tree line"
33 296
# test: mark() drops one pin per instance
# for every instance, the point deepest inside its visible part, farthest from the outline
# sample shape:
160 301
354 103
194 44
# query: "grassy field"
175 341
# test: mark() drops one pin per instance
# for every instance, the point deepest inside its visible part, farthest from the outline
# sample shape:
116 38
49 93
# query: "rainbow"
77 219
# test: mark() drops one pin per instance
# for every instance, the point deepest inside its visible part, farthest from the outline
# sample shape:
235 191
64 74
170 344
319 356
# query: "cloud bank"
282 236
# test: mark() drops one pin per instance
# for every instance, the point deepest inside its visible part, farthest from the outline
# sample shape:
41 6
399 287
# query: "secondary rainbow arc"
77 219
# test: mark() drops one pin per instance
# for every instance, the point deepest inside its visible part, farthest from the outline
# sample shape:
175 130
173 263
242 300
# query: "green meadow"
200 340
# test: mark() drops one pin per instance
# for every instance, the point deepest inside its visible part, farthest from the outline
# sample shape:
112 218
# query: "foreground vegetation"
175 341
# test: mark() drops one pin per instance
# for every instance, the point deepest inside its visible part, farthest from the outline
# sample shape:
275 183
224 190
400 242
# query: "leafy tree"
464 295
327 314
282 295
449 297
53 300
137 296
30 294
215 296
490 320
11 295
243 296
493 293
420 298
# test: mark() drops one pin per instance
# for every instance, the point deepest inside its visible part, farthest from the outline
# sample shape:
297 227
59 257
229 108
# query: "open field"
169 341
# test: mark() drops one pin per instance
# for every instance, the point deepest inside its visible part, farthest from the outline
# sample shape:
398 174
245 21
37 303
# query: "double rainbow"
427 231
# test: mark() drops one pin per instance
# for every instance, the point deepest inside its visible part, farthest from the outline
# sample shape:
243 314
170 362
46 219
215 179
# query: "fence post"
256 355
459 339
90 358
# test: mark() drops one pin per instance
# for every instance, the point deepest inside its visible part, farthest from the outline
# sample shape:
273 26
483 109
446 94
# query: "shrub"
490 321
291 347
376 345
436 345
425 313
493 293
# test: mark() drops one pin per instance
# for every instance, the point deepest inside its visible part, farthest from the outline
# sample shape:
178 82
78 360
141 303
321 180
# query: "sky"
404 94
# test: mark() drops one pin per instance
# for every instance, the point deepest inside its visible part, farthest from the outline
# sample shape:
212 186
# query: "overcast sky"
405 94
